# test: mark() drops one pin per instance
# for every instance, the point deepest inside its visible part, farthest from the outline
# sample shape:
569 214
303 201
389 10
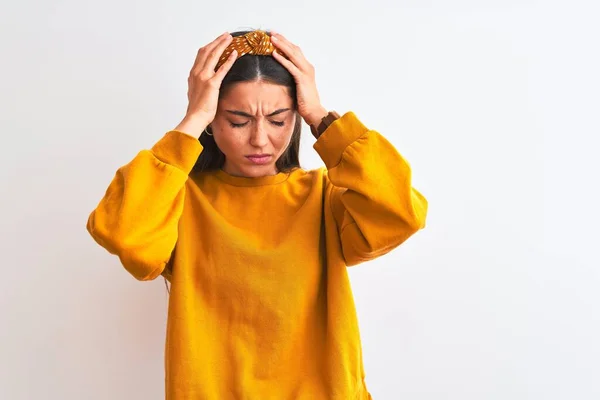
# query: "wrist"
315 117
192 125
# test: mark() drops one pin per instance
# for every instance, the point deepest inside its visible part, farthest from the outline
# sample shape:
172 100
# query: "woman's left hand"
309 104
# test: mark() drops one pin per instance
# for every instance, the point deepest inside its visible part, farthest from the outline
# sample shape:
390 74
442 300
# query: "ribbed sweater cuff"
341 133
178 149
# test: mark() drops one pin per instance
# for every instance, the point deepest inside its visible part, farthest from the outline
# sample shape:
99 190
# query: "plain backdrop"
495 104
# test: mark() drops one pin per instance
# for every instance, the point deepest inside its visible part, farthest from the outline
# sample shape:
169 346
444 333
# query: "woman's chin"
252 170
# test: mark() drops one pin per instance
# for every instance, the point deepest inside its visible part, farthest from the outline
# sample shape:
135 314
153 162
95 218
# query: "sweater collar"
247 181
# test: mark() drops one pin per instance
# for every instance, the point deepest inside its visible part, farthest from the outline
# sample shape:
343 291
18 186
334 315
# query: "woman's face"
253 118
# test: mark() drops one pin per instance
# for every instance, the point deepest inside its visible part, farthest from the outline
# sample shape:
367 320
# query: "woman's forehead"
257 98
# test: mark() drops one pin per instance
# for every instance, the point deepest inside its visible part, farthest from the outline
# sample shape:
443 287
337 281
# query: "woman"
256 248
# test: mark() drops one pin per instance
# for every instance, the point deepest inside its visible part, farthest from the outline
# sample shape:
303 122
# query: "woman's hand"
204 85
309 104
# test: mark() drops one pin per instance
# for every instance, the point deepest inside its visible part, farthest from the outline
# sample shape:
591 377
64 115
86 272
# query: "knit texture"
261 306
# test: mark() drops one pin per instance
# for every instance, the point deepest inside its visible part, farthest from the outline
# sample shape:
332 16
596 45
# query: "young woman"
256 248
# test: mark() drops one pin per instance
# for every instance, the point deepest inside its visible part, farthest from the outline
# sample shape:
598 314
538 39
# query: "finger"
205 52
216 53
294 70
225 67
199 56
285 41
293 53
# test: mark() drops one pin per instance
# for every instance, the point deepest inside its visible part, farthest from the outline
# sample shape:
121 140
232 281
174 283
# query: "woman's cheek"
282 141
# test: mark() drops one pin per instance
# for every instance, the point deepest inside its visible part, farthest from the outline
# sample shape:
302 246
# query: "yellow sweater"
261 306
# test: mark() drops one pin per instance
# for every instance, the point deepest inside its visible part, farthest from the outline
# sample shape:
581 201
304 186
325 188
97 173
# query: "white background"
494 103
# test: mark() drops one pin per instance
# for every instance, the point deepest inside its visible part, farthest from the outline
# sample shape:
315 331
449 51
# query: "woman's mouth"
259 159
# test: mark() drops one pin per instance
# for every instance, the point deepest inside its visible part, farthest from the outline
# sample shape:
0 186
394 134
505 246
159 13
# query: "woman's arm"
138 216
370 192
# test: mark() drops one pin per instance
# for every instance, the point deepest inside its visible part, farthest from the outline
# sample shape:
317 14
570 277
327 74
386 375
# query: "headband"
257 42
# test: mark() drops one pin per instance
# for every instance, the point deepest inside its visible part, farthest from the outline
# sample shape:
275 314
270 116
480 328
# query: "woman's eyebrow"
243 114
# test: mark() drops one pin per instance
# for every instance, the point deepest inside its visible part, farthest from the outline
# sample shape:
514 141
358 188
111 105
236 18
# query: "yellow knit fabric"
261 306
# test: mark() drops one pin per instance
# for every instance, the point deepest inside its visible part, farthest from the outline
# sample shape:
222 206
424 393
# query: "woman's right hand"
204 85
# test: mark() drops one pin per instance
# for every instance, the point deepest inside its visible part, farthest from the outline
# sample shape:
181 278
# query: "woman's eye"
234 125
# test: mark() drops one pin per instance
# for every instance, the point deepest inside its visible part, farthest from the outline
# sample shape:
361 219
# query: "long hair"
250 68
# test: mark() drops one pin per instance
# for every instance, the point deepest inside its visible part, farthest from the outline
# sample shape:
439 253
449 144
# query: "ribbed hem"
341 133
178 149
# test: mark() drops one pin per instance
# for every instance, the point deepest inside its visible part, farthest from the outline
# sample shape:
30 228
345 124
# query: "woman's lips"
259 160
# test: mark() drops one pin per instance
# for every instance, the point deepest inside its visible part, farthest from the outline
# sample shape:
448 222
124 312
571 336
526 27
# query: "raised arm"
369 190
138 216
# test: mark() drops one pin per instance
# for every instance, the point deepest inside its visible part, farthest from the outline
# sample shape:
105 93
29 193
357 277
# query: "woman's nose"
259 136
